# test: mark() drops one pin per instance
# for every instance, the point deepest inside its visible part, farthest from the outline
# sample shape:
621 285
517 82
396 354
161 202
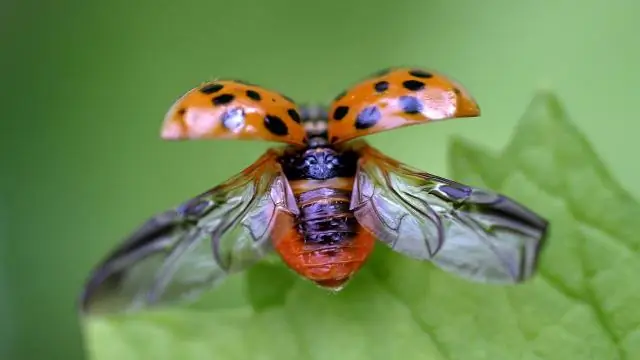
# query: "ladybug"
321 202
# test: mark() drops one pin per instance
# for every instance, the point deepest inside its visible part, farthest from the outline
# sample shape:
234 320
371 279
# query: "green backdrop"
86 84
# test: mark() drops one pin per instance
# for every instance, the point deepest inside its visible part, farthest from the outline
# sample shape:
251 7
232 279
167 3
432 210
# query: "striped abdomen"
324 243
325 217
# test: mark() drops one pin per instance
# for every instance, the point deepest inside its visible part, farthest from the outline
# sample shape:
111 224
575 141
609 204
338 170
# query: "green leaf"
583 302
580 306
268 285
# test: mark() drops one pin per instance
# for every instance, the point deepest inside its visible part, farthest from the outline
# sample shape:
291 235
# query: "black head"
319 163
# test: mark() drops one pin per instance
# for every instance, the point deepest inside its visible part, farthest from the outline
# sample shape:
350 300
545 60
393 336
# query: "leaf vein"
575 212
424 327
592 301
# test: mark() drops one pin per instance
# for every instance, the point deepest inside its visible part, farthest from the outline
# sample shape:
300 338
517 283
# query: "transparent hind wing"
179 253
477 234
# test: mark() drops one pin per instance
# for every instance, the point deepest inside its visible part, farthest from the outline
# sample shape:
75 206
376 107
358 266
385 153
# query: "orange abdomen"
325 243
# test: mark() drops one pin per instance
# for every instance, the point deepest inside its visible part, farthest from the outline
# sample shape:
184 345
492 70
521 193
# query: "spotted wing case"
227 109
396 98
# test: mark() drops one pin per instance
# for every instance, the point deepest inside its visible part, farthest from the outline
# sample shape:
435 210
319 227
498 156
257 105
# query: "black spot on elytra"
275 125
420 74
253 95
413 85
340 96
457 91
182 111
340 112
381 86
294 115
368 117
233 119
211 88
222 99
410 104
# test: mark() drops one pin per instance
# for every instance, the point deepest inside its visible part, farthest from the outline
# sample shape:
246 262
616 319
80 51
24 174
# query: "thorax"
320 163
320 166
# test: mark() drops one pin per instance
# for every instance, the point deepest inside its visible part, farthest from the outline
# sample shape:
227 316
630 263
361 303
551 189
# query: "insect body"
322 201
327 244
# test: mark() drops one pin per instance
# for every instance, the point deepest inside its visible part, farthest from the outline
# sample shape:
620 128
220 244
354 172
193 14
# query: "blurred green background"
86 84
